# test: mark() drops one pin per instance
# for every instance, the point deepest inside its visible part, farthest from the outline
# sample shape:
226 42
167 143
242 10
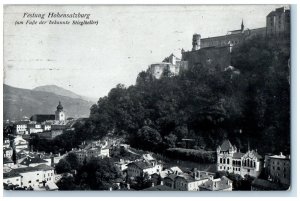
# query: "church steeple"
59 107
242 25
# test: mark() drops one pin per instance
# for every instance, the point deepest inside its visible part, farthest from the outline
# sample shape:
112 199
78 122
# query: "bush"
192 154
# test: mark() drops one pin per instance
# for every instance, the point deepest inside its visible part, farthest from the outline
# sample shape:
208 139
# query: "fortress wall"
212 57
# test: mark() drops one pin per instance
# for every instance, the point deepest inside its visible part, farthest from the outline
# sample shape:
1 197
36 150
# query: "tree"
72 159
62 166
98 174
66 183
149 138
170 140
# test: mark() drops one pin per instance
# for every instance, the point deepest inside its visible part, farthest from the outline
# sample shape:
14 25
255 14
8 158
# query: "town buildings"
220 184
140 168
34 177
278 168
233 161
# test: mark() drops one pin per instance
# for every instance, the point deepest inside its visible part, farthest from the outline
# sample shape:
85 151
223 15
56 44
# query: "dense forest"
249 104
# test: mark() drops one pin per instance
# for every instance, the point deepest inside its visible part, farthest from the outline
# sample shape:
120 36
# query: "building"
187 182
12 178
33 161
170 66
34 177
6 143
90 152
34 128
42 117
20 143
140 168
231 160
213 58
220 184
59 113
278 168
20 127
278 22
7 152
175 170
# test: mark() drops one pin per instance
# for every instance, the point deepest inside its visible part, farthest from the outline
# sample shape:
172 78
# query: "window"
37 180
278 168
29 182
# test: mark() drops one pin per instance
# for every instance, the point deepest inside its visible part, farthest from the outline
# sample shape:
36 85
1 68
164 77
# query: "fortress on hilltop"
215 52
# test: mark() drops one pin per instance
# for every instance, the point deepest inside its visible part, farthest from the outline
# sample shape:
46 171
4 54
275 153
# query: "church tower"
59 113
242 26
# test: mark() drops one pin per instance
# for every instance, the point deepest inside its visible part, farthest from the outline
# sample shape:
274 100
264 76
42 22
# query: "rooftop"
27 161
141 164
226 146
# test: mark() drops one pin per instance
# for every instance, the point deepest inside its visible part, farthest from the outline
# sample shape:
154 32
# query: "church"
59 115
231 160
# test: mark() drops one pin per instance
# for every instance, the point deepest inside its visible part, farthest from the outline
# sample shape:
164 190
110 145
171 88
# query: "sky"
91 59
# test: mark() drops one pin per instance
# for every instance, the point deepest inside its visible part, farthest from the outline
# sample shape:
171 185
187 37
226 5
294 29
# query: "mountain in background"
18 102
63 92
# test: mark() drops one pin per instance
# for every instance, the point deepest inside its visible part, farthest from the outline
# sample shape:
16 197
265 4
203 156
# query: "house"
187 182
34 128
32 161
139 168
6 143
34 177
220 184
251 164
169 180
7 162
278 168
231 160
172 170
7 152
12 178
20 143
20 127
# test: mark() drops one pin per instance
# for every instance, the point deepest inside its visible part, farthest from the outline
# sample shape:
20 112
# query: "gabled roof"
238 155
10 174
216 184
140 164
171 176
27 161
226 146
7 160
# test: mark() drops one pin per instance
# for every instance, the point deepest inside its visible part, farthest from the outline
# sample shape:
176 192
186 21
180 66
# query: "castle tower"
196 41
59 113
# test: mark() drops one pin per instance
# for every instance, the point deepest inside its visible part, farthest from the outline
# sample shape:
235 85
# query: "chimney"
110 188
128 186
161 182
281 154
152 184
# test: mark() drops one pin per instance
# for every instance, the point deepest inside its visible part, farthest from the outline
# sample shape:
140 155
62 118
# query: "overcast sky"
90 60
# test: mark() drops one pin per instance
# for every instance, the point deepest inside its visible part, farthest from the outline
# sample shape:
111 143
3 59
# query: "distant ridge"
18 102
63 92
